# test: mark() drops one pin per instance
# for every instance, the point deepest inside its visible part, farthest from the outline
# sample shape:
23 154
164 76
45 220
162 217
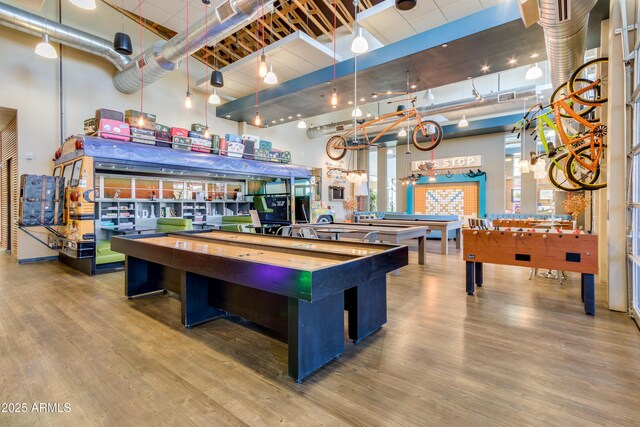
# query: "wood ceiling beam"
313 18
287 20
342 20
268 27
229 51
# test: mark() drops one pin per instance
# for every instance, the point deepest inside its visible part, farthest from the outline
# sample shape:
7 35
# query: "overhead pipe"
36 25
565 32
163 57
447 107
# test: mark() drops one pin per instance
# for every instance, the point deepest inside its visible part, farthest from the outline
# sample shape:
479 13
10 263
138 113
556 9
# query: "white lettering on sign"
447 163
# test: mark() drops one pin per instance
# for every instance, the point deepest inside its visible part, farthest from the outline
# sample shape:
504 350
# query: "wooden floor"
517 353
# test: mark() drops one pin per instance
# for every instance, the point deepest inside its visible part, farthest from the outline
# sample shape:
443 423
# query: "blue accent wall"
443 179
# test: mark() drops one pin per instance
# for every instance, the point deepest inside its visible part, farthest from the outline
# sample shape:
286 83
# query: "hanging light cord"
334 43
187 53
141 65
206 31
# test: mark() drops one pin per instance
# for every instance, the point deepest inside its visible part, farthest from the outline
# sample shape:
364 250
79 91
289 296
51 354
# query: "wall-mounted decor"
336 192
516 195
470 162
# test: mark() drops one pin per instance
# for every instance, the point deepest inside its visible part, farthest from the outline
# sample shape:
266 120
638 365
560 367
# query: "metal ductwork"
36 25
164 56
448 107
565 31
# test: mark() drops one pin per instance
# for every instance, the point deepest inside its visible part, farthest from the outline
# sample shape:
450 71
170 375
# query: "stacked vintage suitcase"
41 200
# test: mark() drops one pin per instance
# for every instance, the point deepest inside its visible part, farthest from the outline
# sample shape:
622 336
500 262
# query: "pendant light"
359 44
334 94
429 97
84 4
187 101
356 112
302 124
402 133
533 73
45 49
271 78
463 123
214 98
262 69
122 41
257 121
217 80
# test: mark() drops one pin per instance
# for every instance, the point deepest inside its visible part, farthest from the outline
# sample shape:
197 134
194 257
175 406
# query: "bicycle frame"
404 115
575 142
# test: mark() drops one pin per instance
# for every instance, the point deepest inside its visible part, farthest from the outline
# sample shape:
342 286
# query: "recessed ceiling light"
512 61
368 114
388 92
228 116
334 106
362 99
534 55
444 45
273 121
298 115
350 102
281 119
290 117
468 77
485 68
374 95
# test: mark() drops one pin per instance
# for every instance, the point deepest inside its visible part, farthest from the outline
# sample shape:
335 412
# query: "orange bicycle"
426 134
586 89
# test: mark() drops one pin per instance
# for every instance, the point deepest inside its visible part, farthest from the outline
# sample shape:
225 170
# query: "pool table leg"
421 249
194 300
367 308
316 333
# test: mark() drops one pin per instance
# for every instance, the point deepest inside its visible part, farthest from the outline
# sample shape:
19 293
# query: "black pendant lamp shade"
216 78
122 44
406 4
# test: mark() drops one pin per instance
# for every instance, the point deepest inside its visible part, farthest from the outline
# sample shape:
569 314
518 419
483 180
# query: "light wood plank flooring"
520 352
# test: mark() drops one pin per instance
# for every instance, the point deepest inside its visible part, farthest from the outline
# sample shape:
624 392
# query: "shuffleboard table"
298 288
443 226
387 232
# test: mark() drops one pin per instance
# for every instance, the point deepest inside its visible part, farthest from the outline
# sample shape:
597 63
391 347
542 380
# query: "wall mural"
445 202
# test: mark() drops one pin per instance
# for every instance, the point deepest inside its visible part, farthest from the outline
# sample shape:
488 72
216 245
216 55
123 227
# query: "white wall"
490 147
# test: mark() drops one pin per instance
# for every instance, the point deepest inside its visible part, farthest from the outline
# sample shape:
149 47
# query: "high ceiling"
298 39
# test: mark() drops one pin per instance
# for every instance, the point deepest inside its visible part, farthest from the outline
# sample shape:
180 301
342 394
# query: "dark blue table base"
314 331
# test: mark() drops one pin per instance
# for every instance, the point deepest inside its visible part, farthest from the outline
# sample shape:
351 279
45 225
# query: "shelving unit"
171 198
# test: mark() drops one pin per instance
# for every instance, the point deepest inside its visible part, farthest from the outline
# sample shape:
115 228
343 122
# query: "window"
75 175
391 180
56 171
66 173
373 180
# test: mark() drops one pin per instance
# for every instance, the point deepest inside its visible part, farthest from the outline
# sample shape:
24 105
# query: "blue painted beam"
472 24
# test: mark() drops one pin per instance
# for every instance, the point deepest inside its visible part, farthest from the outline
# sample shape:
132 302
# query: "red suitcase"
114 129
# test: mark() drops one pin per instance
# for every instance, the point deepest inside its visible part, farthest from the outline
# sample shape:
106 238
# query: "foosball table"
564 251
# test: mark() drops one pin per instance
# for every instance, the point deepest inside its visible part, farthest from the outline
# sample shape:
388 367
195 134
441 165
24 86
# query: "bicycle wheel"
429 138
558 178
596 69
580 109
583 176
336 147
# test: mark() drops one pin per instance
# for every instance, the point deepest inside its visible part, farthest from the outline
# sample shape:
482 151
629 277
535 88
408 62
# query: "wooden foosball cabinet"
534 249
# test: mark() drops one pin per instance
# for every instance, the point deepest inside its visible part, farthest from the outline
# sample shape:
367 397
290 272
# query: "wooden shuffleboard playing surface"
299 288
